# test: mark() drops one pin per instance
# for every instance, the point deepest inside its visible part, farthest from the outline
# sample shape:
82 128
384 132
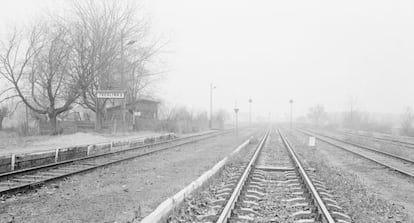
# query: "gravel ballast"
367 192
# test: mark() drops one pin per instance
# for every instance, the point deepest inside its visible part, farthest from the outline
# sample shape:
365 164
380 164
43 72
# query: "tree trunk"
98 120
1 122
99 114
53 124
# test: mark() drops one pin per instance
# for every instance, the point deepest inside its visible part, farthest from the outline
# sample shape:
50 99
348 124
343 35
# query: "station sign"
113 94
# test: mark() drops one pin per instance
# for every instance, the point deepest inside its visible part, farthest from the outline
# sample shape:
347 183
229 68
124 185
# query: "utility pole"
123 78
211 105
250 111
291 111
123 82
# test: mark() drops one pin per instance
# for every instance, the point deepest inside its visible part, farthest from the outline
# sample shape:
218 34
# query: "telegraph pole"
123 78
123 82
211 105
250 111
291 111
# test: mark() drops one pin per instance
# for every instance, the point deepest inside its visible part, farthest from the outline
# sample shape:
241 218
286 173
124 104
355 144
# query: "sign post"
236 110
312 142
133 118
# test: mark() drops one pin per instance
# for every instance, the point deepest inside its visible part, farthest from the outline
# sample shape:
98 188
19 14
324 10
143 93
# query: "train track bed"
402 165
387 146
278 186
124 192
273 192
207 204
367 193
406 141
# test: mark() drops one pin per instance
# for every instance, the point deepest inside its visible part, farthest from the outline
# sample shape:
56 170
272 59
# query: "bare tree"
407 119
200 121
140 68
317 114
110 49
221 116
4 112
37 66
352 116
7 94
6 108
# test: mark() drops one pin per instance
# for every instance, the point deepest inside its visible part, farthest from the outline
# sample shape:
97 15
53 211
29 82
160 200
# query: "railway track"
26 179
273 187
394 162
406 144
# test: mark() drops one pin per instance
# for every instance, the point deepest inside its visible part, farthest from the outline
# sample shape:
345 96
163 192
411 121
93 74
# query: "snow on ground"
12 143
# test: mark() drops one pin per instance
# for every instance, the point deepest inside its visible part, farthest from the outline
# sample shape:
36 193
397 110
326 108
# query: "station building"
142 108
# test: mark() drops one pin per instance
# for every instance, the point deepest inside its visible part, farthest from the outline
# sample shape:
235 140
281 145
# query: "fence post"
13 162
88 151
57 155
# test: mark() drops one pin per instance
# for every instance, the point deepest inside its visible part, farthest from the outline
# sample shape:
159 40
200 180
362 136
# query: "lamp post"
291 111
123 78
211 105
250 111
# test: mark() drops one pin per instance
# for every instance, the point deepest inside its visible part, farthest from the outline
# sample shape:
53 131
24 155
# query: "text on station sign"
110 94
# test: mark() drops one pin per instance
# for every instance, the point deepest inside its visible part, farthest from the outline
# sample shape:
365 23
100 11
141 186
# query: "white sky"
311 51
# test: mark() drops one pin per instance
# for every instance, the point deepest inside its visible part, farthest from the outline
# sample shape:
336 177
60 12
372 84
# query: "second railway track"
396 163
26 179
393 141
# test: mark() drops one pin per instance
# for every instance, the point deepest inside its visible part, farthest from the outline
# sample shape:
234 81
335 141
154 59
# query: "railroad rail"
392 141
275 187
393 162
25 179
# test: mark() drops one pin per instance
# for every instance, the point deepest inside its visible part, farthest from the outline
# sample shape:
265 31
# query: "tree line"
63 60
355 119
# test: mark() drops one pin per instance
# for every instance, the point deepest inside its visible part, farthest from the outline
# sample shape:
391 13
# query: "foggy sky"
314 52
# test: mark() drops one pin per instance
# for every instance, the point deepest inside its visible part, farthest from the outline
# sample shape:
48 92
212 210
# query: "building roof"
140 100
146 100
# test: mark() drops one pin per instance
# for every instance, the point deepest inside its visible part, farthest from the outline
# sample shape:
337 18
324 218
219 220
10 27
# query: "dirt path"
121 192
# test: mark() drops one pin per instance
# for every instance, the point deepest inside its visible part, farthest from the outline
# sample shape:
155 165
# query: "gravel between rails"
123 192
274 153
273 206
368 193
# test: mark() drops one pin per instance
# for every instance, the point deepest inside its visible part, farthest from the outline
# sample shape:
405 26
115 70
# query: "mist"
314 52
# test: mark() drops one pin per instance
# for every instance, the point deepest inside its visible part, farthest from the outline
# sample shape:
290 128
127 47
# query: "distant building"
142 108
